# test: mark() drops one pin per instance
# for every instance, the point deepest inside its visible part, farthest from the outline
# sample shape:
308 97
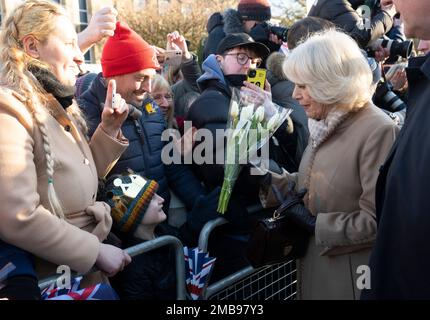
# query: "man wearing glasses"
236 54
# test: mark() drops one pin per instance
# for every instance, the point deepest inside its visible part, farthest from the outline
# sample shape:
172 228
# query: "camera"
386 99
395 47
280 32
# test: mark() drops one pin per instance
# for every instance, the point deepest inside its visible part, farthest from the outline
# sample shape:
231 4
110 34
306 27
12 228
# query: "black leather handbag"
277 239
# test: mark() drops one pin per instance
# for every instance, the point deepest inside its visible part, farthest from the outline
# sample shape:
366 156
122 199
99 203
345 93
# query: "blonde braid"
15 75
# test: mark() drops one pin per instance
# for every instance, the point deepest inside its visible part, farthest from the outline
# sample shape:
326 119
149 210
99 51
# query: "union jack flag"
100 291
198 268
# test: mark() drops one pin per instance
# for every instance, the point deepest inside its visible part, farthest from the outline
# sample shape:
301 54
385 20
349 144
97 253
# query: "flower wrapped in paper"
253 118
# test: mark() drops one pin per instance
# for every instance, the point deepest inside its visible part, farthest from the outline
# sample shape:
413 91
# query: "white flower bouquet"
253 118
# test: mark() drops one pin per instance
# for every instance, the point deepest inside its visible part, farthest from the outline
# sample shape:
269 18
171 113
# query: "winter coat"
26 220
150 275
210 111
218 26
341 193
143 155
401 257
191 72
343 14
287 152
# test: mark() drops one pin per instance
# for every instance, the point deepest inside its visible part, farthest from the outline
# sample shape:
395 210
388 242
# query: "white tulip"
273 122
234 112
259 114
247 112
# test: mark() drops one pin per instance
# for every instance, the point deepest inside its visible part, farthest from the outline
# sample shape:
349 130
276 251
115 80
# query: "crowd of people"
82 173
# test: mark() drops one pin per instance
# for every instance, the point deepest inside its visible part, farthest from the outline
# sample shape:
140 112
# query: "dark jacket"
191 72
21 282
22 260
150 275
219 25
400 260
143 155
210 111
342 13
290 147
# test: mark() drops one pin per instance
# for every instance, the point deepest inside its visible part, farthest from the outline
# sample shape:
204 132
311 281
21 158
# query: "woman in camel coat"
48 170
349 141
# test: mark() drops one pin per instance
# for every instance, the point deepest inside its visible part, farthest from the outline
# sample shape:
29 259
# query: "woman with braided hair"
48 169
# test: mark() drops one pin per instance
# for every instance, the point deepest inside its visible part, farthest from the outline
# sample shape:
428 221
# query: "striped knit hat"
258 10
129 196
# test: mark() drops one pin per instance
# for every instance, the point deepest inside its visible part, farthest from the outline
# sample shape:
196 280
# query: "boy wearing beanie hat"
137 211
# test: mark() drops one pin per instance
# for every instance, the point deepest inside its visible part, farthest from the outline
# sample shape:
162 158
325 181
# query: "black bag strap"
285 204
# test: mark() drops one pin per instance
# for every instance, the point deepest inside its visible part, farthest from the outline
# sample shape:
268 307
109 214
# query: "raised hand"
115 111
101 25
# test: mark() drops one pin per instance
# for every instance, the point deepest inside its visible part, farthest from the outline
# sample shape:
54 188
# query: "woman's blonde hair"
36 18
334 70
159 83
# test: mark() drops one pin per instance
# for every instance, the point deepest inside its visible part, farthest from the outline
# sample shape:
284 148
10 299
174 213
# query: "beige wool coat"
341 193
25 217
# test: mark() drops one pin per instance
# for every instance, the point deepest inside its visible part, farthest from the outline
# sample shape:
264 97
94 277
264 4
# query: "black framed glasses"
242 58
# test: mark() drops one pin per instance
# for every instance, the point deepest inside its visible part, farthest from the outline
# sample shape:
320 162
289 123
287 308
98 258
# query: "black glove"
296 210
302 217
204 210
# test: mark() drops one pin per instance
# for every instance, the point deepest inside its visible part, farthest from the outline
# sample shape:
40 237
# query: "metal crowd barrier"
275 282
181 292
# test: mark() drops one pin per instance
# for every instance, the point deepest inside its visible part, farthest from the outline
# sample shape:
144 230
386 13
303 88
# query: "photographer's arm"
351 22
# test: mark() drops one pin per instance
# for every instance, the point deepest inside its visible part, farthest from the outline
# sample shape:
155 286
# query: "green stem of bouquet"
231 171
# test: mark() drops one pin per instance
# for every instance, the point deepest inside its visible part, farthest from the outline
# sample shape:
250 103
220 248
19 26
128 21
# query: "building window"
83 23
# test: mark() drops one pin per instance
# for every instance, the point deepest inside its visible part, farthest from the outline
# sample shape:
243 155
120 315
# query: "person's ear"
219 58
30 45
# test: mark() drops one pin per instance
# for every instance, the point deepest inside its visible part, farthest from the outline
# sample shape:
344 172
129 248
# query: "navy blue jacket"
22 260
143 155
400 260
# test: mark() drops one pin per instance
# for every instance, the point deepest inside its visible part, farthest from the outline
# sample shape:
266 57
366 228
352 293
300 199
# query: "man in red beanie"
250 17
132 62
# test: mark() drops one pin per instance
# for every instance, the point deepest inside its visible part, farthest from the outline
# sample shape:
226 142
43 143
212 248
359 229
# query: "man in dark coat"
131 61
343 14
210 111
237 53
400 261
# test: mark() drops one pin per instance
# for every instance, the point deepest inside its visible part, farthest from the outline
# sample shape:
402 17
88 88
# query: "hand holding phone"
257 77
173 57
116 98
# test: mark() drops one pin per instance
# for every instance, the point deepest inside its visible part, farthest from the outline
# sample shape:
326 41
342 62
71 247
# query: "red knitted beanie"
126 52
258 10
